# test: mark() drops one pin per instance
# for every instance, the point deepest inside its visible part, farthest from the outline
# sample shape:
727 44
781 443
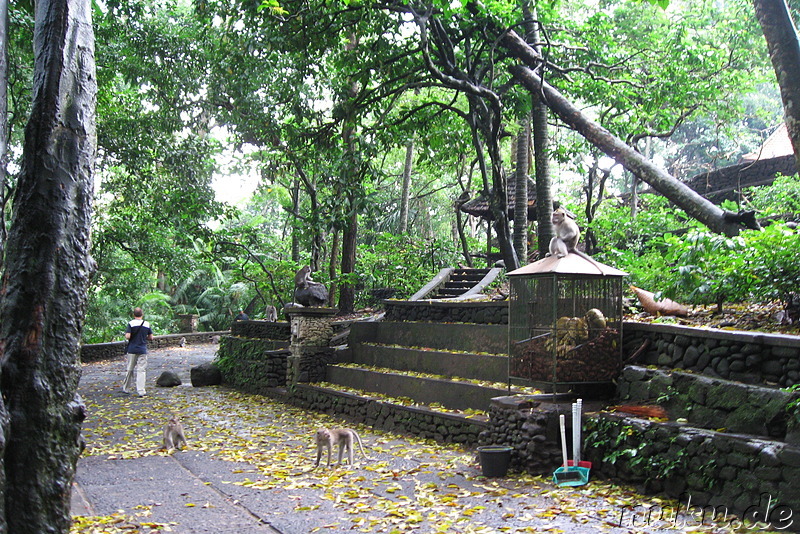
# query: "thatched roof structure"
479 206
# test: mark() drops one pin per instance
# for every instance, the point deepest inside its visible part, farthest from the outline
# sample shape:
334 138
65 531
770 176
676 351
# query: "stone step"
469 272
450 393
489 367
712 403
467 277
458 284
448 292
477 338
391 414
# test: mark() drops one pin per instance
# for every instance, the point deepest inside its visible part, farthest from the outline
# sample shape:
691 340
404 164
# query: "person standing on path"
138 333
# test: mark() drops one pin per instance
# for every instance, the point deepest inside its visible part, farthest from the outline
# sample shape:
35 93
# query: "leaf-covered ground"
408 485
742 316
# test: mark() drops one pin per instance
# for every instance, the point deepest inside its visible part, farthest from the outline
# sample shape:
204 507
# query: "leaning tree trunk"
46 274
784 51
676 191
680 194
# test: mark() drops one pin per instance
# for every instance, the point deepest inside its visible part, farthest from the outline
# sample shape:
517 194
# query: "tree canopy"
326 102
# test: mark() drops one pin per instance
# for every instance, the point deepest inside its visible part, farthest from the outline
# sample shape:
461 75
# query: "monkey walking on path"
326 439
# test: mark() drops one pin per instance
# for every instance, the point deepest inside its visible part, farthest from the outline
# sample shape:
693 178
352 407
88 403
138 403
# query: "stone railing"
105 351
261 329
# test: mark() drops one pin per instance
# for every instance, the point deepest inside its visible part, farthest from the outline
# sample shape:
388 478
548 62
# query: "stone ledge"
105 351
762 338
419 421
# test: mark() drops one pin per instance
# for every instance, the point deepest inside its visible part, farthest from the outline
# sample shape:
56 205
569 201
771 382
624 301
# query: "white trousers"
137 363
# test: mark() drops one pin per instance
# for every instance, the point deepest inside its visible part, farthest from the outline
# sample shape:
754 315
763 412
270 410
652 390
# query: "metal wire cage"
565 322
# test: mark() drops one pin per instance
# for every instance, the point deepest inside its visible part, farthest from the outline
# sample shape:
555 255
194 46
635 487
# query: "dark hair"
137 312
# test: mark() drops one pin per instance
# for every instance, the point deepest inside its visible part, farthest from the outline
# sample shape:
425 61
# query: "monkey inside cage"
565 322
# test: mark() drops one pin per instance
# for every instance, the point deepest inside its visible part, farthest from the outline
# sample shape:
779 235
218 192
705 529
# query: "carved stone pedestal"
312 331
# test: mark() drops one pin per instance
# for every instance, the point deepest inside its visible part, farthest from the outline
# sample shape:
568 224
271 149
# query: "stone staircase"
461 281
730 442
426 362
457 283
433 380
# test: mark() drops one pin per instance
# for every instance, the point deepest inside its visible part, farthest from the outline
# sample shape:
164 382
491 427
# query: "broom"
565 473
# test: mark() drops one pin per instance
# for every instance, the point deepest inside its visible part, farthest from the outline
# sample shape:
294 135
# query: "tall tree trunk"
544 190
403 227
4 126
784 51
541 145
333 260
462 239
521 191
347 291
295 193
46 275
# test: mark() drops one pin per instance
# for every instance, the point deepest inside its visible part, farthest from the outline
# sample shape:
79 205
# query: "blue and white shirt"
139 330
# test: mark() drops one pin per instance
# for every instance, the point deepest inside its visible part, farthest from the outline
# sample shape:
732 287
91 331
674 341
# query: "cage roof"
572 263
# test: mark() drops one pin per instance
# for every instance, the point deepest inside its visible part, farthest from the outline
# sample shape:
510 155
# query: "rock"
313 294
690 356
206 374
168 379
772 368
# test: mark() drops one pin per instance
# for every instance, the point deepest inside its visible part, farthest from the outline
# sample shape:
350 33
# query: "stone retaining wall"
439 426
253 364
261 330
733 472
106 351
711 403
752 358
436 311
530 426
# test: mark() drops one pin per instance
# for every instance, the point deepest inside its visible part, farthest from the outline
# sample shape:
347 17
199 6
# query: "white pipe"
580 431
575 425
563 438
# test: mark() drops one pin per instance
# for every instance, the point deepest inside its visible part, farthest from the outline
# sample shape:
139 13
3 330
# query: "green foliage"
709 268
665 252
326 121
782 198
634 448
616 229
773 255
401 262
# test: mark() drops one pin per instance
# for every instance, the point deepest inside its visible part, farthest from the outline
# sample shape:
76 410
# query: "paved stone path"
249 468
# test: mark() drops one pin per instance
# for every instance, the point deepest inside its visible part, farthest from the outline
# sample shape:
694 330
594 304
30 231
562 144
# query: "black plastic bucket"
494 460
